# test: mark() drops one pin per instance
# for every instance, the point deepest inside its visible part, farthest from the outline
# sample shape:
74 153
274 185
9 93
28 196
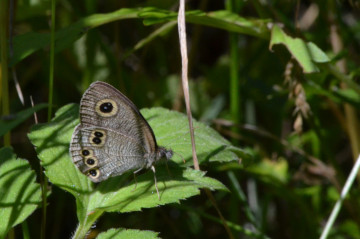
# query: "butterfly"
113 137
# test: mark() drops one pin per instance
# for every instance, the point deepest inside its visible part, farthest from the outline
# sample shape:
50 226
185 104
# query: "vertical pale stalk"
344 193
184 74
185 83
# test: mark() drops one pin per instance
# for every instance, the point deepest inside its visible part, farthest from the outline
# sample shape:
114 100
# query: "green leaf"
274 171
127 233
222 19
350 228
231 22
29 43
164 29
52 145
26 44
172 131
20 195
305 53
118 193
154 15
7 125
348 95
180 184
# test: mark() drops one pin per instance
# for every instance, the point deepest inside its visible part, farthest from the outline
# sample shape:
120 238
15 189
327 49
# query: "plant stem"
339 203
4 77
85 225
235 107
44 181
52 59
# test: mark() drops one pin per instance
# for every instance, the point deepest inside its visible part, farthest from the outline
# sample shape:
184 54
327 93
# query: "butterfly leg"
135 182
157 190
135 177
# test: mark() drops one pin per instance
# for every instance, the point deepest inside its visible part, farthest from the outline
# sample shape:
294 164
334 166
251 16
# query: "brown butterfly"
113 137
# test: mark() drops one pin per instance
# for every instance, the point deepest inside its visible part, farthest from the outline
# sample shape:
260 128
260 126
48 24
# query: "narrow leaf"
10 122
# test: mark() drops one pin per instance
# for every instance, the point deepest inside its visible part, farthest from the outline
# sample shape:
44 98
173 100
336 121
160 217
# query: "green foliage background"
281 89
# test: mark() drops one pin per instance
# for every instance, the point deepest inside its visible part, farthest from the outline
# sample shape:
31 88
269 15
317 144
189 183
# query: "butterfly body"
112 137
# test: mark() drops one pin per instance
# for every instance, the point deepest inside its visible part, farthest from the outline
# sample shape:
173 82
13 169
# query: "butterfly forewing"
124 117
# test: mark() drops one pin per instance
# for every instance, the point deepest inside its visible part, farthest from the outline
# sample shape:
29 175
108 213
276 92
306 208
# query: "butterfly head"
164 153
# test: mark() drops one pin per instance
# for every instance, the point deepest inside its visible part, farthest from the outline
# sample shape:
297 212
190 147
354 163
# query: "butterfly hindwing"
105 156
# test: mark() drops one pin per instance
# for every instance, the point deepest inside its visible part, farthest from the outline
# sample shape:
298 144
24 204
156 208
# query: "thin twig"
224 222
185 83
32 105
184 73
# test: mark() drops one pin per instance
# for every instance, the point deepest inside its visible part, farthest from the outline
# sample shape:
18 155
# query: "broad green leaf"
20 195
52 145
7 124
305 53
172 130
127 233
122 194
173 186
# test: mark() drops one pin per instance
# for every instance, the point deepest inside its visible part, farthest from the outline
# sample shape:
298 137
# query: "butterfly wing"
112 137
123 116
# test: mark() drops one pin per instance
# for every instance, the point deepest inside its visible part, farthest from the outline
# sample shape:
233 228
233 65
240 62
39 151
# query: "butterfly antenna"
157 190
180 156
